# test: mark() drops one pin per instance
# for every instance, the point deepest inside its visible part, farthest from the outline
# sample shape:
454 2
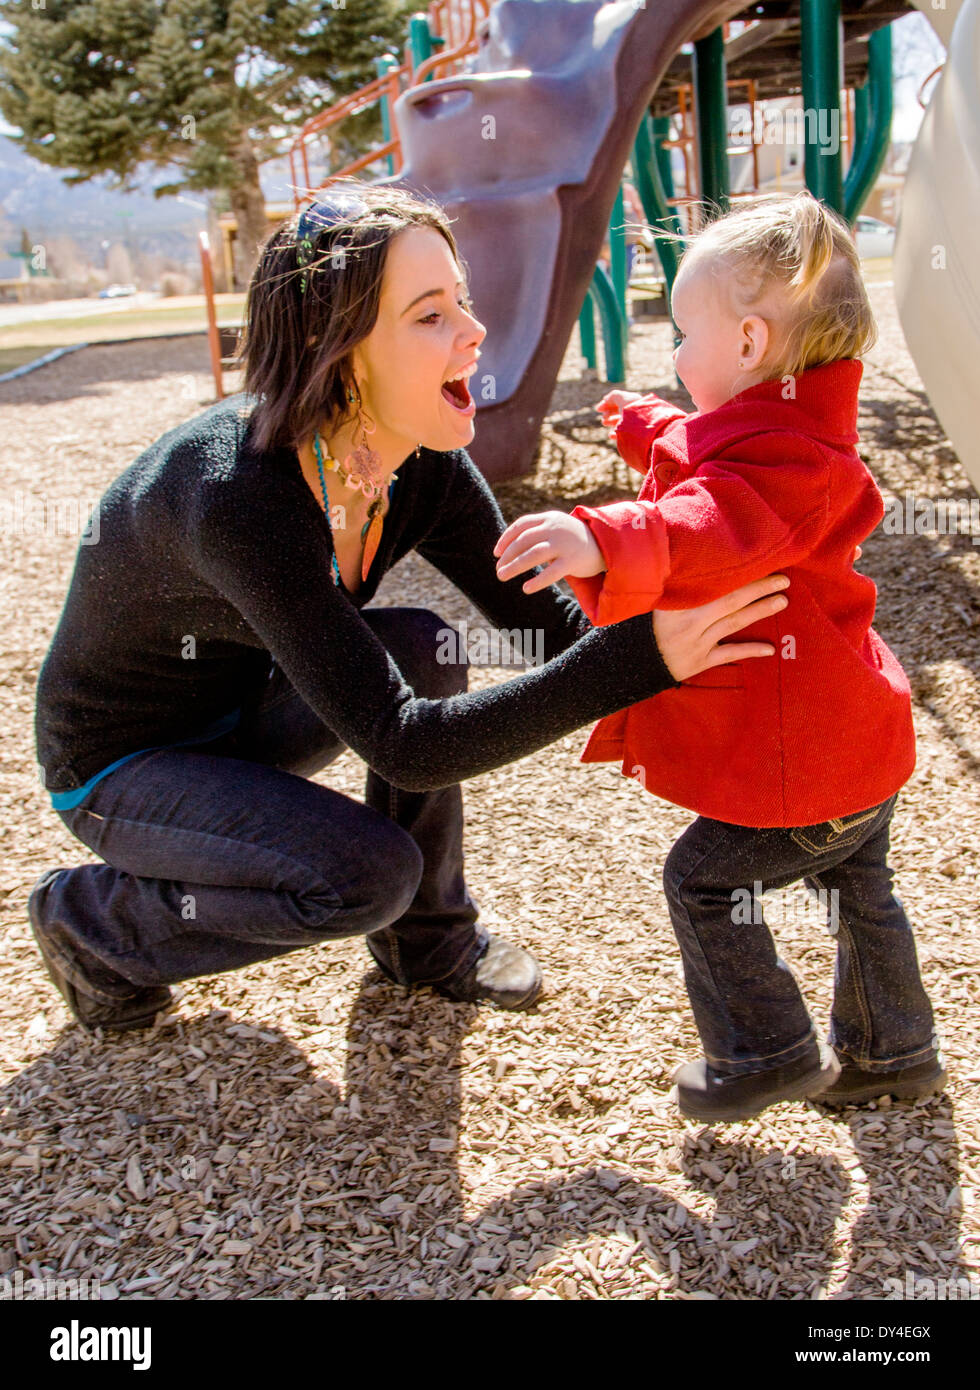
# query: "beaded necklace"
371 530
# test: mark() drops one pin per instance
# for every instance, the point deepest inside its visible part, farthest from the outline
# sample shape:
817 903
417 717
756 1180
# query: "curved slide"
526 153
936 264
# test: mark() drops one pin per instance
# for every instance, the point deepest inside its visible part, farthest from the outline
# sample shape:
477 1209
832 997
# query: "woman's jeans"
223 854
746 1004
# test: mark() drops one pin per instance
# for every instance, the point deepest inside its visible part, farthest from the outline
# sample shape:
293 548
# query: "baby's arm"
731 522
634 422
559 542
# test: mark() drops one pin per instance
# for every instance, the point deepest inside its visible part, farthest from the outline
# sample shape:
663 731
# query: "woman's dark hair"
313 297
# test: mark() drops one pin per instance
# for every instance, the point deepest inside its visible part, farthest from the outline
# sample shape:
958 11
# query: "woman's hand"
692 640
611 409
562 543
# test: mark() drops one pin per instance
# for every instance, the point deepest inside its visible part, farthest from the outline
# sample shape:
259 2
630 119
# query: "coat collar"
823 407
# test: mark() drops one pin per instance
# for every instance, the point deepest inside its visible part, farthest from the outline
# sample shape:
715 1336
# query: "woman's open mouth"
457 392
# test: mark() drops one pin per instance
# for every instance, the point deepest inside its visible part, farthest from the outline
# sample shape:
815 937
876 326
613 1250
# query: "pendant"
371 542
365 465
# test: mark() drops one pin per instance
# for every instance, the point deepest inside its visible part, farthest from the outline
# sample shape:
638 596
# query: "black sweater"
205 538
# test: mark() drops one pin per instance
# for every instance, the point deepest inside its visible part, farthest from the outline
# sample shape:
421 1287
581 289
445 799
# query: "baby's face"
721 351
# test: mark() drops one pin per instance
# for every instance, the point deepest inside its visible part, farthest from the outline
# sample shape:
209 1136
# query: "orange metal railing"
464 44
685 140
214 339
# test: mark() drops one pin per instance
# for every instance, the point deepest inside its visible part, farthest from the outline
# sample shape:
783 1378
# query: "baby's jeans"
748 1009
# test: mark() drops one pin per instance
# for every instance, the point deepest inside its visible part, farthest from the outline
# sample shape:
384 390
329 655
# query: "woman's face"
424 337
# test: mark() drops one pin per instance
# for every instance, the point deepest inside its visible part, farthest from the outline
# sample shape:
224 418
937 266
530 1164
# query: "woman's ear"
753 342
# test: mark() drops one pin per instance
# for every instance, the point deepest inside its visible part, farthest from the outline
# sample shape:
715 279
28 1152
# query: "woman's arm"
279 580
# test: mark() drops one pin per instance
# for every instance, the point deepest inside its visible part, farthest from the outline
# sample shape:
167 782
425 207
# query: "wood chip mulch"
303 1130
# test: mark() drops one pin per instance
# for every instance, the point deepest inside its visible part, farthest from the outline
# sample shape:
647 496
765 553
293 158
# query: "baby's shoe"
711 1096
855 1086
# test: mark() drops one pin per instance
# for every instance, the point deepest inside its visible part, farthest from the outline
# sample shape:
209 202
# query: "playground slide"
527 153
937 271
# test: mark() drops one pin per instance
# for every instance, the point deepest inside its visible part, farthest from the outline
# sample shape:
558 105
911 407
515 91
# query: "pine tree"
213 87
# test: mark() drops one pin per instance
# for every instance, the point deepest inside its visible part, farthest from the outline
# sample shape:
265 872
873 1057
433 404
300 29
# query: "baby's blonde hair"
800 244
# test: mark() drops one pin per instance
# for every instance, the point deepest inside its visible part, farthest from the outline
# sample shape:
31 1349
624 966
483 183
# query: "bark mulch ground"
303 1130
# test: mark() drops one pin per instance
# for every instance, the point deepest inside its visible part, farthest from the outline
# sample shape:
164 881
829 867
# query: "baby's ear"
754 341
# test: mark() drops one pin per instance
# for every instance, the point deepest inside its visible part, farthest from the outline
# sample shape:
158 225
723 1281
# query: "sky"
916 50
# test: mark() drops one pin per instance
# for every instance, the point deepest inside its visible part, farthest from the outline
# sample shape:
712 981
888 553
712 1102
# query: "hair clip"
330 212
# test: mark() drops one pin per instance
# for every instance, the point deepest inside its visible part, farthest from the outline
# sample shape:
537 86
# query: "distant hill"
34 196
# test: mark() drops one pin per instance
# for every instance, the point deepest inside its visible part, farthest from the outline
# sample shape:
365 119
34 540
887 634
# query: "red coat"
823 728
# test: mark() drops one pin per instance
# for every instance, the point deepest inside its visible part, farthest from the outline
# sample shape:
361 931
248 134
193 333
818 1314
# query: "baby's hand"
562 543
611 409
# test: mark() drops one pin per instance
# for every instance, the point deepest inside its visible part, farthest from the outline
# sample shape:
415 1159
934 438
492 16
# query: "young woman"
215 648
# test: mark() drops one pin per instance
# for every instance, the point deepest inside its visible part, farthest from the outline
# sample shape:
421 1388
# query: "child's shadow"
906 1242
772 1227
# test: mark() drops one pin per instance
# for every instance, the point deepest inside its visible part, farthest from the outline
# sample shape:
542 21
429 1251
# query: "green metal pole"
613 324
862 133
586 330
862 115
383 65
661 132
420 39
873 104
711 103
617 252
654 183
651 169
821 50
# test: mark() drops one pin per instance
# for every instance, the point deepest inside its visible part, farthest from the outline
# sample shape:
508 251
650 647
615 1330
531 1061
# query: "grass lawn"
18 356
106 326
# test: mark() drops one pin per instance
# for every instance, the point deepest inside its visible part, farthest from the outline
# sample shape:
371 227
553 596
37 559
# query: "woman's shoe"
97 996
505 975
708 1095
856 1086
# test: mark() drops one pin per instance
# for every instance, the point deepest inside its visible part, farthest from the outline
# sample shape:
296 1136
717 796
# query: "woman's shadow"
215 1160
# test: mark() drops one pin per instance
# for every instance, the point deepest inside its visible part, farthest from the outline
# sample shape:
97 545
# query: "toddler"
793 765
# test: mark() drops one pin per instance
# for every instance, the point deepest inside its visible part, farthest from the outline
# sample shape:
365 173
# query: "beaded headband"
343 207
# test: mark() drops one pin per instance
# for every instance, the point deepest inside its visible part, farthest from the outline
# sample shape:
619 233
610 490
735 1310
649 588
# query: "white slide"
937 254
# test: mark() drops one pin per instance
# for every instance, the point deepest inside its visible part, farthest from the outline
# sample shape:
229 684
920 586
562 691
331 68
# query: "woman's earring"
364 463
418 451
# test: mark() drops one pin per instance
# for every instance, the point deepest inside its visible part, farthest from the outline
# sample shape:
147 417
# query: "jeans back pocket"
837 833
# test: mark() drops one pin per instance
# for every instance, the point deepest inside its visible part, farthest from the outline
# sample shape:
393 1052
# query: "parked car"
117 291
874 238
